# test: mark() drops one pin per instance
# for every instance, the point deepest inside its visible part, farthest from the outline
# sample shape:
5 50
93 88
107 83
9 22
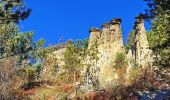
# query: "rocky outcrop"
104 45
140 52
109 43
54 61
109 40
95 35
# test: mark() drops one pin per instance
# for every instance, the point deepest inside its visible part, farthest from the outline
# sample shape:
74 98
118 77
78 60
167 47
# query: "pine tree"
13 10
159 36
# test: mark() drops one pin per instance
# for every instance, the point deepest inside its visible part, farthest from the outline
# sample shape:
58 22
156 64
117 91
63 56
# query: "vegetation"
159 35
73 57
93 55
159 39
13 11
130 41
17 49
69 70
120 60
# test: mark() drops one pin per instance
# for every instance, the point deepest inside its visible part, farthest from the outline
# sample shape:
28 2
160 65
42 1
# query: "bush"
8 80
6 91
133 75
120 60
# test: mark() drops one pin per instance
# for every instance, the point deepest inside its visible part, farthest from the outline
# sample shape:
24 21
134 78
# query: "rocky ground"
163 94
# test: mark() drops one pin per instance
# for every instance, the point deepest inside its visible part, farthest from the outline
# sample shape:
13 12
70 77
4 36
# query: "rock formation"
105 45
109 44
95 35
54 59
140 53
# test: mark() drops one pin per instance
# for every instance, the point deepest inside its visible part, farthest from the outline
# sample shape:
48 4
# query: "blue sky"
72 19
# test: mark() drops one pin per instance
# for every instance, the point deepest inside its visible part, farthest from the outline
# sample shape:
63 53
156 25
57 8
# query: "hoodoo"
109 43
104 45
94 36
141 53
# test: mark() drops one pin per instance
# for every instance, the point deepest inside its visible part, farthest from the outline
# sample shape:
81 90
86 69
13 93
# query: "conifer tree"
159 36
13 10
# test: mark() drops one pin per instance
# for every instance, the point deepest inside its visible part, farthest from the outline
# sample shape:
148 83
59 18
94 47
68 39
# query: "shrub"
8 80
120 60
133 75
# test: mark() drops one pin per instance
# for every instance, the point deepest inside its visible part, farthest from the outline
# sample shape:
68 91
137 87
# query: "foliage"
16 43
22 59
120 60
44 94
12 41
93 57
159 40
73 56
30 74
13 11
133 75
156 7
85 44
9 81
159 35
69 57
50 64
7 32
94 51
17 47
130 41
